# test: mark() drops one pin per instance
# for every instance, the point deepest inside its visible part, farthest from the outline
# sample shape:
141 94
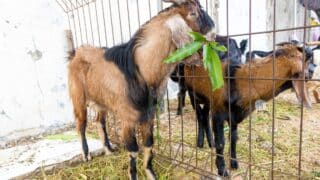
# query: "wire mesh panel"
275 141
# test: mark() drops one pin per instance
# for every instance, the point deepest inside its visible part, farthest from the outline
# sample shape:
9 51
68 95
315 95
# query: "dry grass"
169 143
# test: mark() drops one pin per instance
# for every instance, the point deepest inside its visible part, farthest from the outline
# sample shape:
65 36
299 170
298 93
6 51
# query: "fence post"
69 39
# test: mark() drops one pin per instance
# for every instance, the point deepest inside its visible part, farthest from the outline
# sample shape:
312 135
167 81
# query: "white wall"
33 94
289 14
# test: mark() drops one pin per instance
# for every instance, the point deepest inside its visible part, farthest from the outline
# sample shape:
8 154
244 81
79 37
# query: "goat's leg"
130 142
234 137
147 136
217 123
80 111
206 125
101 124
81 116
200 119
181 98
316 95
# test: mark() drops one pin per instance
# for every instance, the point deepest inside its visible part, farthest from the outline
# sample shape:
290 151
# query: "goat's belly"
96 106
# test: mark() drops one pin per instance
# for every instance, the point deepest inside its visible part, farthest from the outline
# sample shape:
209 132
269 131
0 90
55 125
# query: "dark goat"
289 65
235 54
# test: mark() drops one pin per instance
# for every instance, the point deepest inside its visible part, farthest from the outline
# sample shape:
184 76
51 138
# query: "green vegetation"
211 60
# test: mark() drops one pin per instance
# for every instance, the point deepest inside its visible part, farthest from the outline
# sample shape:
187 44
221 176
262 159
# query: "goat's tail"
71 54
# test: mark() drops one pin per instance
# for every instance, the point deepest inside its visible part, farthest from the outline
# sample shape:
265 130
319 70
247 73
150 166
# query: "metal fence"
107 22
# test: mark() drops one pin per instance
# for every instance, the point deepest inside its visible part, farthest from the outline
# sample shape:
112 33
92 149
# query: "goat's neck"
260 89
149 56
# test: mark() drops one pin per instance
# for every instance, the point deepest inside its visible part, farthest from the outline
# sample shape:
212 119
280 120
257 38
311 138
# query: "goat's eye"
296 75
193 14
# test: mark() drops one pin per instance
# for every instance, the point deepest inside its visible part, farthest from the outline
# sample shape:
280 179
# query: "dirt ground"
176 139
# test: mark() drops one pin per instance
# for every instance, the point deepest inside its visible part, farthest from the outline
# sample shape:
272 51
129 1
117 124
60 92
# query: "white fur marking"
179 30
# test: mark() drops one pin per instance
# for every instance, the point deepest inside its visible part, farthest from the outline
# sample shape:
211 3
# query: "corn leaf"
205 55
220 48
213 44
197 36
184 52
212 64
217 76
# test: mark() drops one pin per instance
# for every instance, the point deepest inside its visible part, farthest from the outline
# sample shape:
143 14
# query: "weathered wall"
33 94
289 14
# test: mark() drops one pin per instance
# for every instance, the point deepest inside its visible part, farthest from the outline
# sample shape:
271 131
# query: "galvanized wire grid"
95 22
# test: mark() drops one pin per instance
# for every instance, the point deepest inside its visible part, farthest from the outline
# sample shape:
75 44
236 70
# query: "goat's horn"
313 43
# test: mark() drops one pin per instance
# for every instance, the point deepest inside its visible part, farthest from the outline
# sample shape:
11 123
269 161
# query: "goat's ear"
179 31
243 45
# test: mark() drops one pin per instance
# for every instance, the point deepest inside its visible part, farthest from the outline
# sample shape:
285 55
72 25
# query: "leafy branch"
211 60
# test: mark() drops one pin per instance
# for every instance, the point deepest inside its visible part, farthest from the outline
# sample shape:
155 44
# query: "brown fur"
285 67
95 81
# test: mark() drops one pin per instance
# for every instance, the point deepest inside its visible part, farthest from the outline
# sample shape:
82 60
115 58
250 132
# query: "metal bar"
260 78
229 83
104 23
301 113
250 99
149 10
79 23
129 24
138 13
271 31
85 23
78 6
273 89
75 29
61 6
120 22
90 18
169 118
112 30
95 6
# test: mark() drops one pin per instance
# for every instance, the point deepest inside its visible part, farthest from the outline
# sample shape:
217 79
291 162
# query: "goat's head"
297 59
195 17
187 16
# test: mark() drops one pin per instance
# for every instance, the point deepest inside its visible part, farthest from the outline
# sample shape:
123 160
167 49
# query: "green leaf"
197 37
184 52
217 76
205 53
220 48
213 44
212 64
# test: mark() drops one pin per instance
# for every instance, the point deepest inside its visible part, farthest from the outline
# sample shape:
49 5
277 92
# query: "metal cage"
108 22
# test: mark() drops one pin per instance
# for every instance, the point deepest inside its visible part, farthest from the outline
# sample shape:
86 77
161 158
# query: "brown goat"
128 79
288 69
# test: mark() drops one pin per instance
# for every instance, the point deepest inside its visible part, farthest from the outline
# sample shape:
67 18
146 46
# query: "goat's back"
94 79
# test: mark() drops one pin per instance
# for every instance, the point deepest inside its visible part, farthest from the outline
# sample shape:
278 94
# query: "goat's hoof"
234 164
223 173
86 158
200 145
151 175
212 145
108 151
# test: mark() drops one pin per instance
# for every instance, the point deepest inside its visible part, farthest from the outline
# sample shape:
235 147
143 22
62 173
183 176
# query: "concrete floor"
24 159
